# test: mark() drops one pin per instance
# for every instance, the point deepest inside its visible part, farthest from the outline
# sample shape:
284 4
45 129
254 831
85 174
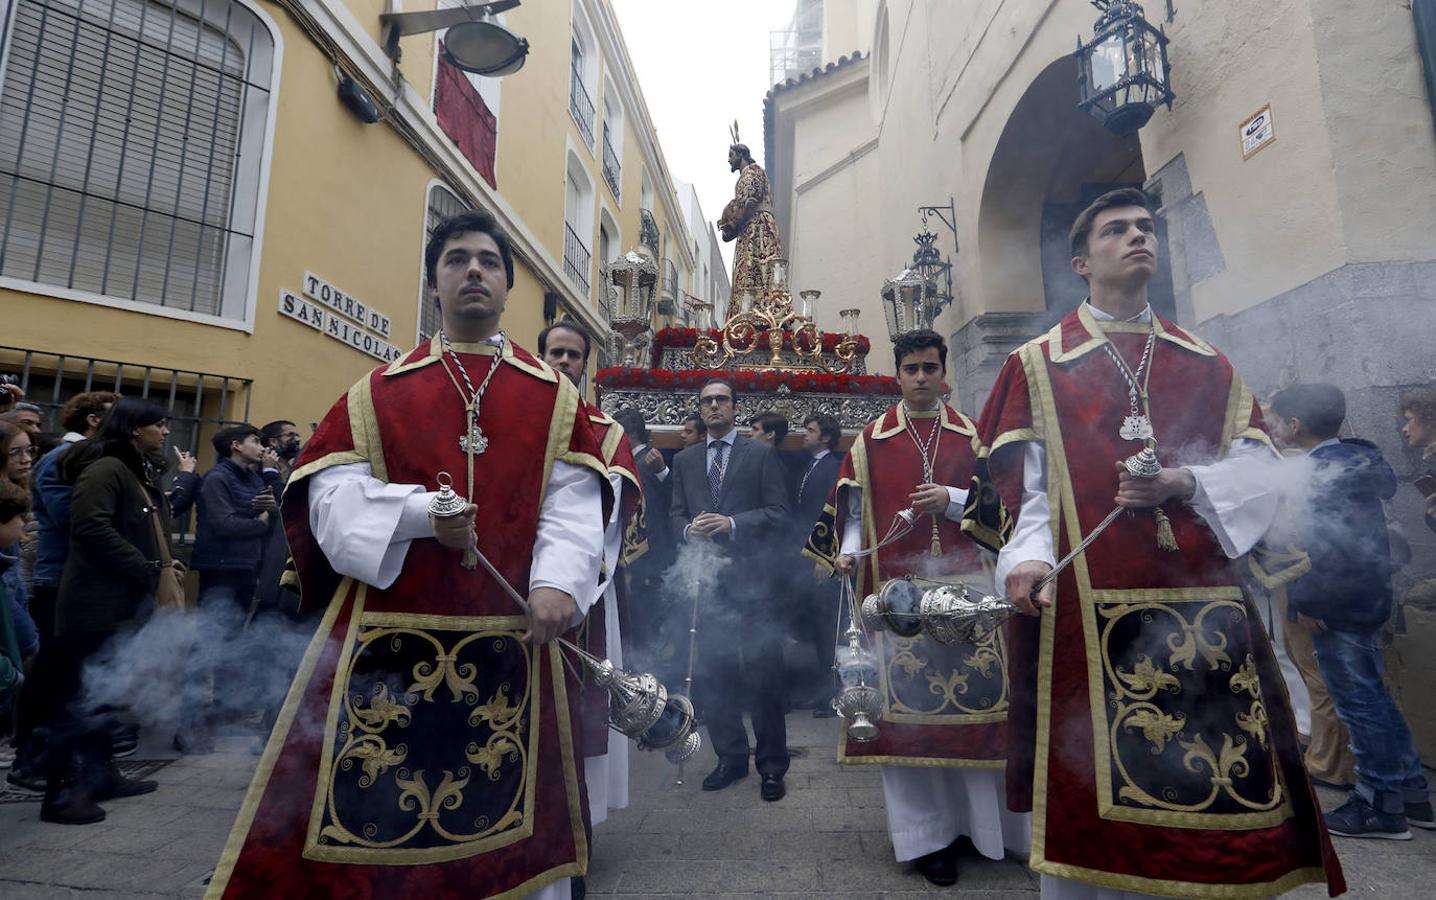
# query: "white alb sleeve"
852 540
569 546
956 503
363 525
1237 496
1032 535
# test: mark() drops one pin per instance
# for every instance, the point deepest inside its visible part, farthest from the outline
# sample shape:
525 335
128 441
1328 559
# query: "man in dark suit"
731 491
646 602
817 594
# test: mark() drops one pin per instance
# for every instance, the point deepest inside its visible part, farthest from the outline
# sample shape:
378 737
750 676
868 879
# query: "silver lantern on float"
629 285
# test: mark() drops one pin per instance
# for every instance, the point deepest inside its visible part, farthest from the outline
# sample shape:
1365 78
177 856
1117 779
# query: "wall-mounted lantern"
1123 74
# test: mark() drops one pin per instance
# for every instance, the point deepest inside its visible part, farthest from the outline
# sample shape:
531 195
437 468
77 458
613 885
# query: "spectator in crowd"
770 428
272 598
1418 413
81 418
694 429
238 505
1344 601
731 490
25 416
17 456
646 599
46 441
14 503
818 596
283 437
119 543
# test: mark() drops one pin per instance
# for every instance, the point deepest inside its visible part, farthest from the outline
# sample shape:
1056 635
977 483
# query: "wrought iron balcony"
576 258
670 280
648 230
612 170
580 106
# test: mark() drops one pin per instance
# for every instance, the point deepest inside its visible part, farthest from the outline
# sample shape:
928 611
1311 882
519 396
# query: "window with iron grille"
442 204
132 138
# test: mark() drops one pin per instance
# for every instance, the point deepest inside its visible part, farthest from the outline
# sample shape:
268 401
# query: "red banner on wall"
466 119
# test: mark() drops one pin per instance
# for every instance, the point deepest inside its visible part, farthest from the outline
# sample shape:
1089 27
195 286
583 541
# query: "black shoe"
113 784
71 804
772 788
938 867
1421 815
723 776
1358 819
578 888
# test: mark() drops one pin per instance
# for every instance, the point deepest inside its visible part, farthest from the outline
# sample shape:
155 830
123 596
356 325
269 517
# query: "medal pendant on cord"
1136 428
475 438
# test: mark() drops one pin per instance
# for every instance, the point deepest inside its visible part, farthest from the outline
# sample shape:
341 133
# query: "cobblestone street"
827 838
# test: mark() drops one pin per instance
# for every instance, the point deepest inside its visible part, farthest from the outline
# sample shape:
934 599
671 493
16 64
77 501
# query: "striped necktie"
715 472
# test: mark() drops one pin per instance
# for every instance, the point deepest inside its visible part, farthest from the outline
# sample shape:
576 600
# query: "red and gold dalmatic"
1151 735
617 456
943 704
424 750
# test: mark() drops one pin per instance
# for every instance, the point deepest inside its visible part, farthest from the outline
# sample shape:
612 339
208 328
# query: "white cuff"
956 503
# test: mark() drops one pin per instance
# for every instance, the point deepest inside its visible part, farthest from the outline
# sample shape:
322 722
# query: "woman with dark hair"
119 542
17 456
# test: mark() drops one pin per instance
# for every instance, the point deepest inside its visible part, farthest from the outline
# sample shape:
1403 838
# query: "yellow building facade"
189 211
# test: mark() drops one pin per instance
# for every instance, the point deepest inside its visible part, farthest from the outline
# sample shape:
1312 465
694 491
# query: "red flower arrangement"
688 337
756 382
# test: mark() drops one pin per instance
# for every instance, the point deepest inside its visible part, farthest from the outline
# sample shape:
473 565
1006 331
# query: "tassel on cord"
936 541
1166 540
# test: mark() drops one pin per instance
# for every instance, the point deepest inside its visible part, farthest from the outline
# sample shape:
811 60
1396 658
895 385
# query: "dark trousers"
38 695
78 739
1388 768
824 614
224 601
740 666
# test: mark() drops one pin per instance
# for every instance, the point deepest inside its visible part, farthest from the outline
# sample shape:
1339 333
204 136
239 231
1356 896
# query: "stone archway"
1051 160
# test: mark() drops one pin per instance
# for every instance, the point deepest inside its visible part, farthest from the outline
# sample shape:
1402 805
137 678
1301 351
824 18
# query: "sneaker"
1358 819
1421 815
123 745
27 779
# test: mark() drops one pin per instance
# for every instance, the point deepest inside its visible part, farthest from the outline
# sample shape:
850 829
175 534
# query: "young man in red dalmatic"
941 740
1151 737
429 746
565 346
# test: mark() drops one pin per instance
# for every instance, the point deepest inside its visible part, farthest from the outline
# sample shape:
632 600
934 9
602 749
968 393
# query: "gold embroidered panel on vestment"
428 755
1187 739
924 682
